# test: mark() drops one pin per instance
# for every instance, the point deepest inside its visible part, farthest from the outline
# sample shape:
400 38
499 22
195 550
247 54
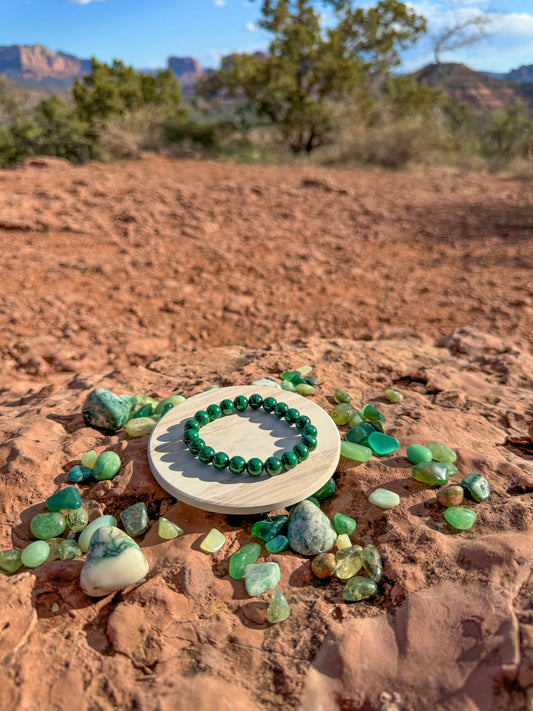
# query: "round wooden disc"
253 433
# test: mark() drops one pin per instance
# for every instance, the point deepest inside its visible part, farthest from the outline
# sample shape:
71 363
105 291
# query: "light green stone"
452 469
107 465
246 555
69 549
54 544
341 396
260 577
343 541
359 588
372 415
130 400
310 531
384 498
279 609
105 410
85 536
67 498
167 529
287 385
341 414
432 473
417 453
460 518
393 396
355 419
269 382
173 400
143 400
10 561
372 562
349 562
77 519
304 389
48 525
35 554
213 541
357 452
441 453
343 524
304 370
140 427
89 459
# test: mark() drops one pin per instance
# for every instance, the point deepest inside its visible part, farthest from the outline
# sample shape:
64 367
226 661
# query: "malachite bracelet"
254 466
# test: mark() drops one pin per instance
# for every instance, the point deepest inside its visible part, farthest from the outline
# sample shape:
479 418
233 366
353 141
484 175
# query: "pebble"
144 411
359 588
383 444
77 519
384 498
451 496
326 490
10 561
432 473
341 396
287 385
357 452
167 529
54 544
417 453
269 382
79 473
359 434
310 531
313 500
393 395
441 453
372 415
304 370
69 549
213 541
105 410
324 565
48 525
305 389
476 487
343 541
135 519
114 561
35 554
246 555
260 577
85 536
268 528
460 518
67 498
349 562
341 414
172 400
279 609
89 459
140 427
277 544
343 524
106 466
372 562
355 419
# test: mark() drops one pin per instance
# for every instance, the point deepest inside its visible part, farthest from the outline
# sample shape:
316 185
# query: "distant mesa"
38 66
187 69
522 74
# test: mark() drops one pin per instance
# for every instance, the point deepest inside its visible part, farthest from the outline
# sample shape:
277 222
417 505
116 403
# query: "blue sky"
145 32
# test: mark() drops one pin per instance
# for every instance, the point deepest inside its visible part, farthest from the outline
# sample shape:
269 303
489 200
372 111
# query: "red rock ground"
162 276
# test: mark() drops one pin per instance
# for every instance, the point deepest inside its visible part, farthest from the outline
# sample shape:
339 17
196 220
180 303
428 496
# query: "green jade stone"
309 430
214 411
290 459
172 400
441 453
301 451
237 465
130 400
324 565
67 498
10 561
193 424
341 414
202 418
254 466
340 396
88 459
326 490
355 419
255 401
277 544
260 577
69 549
313 500
343 524
211 387
357 452
269 403
289 375
48 525
54 544
213 541
460 518
310 531
371 414
227 407
305 389
384 498
382 444
139 428
372 562
189 435
278 609
240 403
107 466
77 519
301 422
432 473
349 562
359 588
393 395
144 411
281 409
246 555
135 519
85 536
270 527
288 386
292 415
452 469
206 454
378 427
35 554
417 453
220 460
167 529
476 487
360 434
195 445
105 410
78 473
310 442
451 496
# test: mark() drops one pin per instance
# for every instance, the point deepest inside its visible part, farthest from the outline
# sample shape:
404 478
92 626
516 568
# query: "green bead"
292 415
301 451
237 465
441 453
301 422
355 419
105 410
48 525
273 466
77 519
227 407
360 434
310 442
260 577
359 588
145 411
269 403
246 555
240 403
172 400
195 445
214 412
460 518
393 396
220 460
326 490
269 527
107 466
357 452
69 549
340 396
305 389
278 609
281 409
417 453
193 424
202 418
289 460
67 498
10 561
371 414
167 529
255 401
383 444
78 473
35 554
139 428
343 524
384 498
372 562
189 435
206 454
431 473
277 544
476 487
341 413
135 519
287 385
254 466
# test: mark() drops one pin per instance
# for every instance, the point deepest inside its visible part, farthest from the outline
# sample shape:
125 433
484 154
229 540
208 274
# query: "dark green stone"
301 451
166 407
326 490
277 544
311 380
189 435
206 454
309 429
246 555
302 421
313 500
196 445
378 427
48 525
372 562
255 401
192 425
214 412
145 411
237 465
202 418
67 498
359 588
310 442
270 527
105 410
220 460
135 519
292 415
359 434
281 409
240 403
273 466
341 396
269 403
371 414
431 473
78 473
289 375
227 407
289 460
254 466
476 487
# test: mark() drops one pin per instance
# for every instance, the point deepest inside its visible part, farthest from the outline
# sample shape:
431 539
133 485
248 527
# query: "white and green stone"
260 577
393 395
10 561
384 498
85 536
310 532
359 588
476 487
69 549
167 529
105 410
279 609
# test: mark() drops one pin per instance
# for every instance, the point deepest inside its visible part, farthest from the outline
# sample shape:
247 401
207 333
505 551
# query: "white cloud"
81 2
251 27
220 3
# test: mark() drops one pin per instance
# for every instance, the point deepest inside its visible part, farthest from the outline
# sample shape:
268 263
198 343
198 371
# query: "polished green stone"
384 498
189 435
476 487
382 444
67 498
301 422
107 466
311 380
441 453
357 452
269 403
359 588
290 374
277 544
393 395
214 411
292 415
211 387
35 554
195 445
77 519
144 411
54 544
105 410
87 533
349 562
326 490
324 565
281 409
301 451
340 396
310 442
172 400
432 473
202 418
135 519
193 424
451 496
372 562
313 500
310 532
227 407
88 459
360 434
139 428
260 577
78 473
278 609
240 403
355 419
254 466
237 465
343 524
269 527
309 430
288 386
48 525
255 401
305 389
289 460
143 400
206 454
452 469
273 466
343 541
371 414
246 555
10 561
220 460
167 529
341 413
166 408
130 400
69 549
460 518
417 453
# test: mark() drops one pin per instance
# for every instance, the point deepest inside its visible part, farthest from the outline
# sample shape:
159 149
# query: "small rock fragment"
167 529
359 588
279 609
260 577
135 519
213 541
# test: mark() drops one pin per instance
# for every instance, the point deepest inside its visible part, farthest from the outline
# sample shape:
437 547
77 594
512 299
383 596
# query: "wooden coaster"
253 433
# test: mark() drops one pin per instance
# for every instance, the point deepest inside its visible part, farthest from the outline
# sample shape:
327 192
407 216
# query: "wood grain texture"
253 433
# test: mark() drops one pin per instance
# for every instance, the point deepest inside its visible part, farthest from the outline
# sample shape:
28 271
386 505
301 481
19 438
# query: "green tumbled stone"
341 414
360 434
240 403
288 386
441 453
195 445
393 395
269 527
310 531
326 490
305 389
371 414
172 400
349 562
383 444
135 519
279 609
432 473
281 409
343 524
310 442
202 418
77 519
289 460
206 454
359 588
476 487
269 403
417 453
372 562
289 375
35 554
193 424
452 469
255 401
10 561
237 465
143 400
67 498
54 544
311 381
48 525
451 496
357 452
227 407
313 500
140 427
211 387
158 415
213 542
130 400
292 415
220 460
277 544
309 430
378 427
273 466
69 549
460 518
384 498
301 422
324 565
260 577
78 473
301 451
189 435
105 410
246 555
355 419
144 411
254 466
85 536
107 466
214 411
167 529
88 459
340 396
